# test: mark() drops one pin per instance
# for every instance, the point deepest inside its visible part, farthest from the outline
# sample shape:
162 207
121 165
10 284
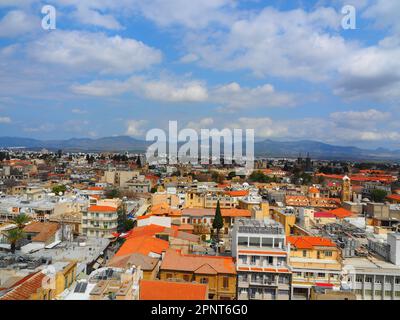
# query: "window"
397 280
397 293
304 253
203 280
186 277
328 253
321 275
169 276
359 279
278 243
243 259
368 292
378 280
368 279
388 293
243 241
267 242
225 282
255 242
359 291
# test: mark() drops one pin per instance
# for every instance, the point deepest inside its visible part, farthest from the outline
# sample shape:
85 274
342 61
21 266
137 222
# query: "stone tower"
346 189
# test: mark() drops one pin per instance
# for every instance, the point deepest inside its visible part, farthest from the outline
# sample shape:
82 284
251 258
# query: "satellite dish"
60 193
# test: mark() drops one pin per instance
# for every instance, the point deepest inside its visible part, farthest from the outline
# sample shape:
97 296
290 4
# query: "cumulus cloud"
291 44
135 127
5 120
167 90
358 119
372 72
97 52
16 23
233 96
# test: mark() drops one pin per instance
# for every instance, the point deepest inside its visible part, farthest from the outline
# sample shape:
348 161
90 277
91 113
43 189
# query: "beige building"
101 219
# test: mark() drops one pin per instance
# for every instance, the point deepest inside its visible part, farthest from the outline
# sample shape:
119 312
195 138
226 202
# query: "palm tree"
21 220
13 237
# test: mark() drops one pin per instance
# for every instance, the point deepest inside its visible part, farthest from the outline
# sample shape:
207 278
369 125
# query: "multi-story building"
314 261
217 272
100 220
261 260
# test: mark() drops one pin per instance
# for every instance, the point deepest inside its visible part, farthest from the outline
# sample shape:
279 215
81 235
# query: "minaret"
346 189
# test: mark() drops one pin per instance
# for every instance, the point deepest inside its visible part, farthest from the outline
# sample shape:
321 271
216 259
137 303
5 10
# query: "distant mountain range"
268 148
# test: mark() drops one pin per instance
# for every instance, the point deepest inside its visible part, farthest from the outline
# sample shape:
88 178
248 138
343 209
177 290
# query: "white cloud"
93 17
16 23
292 44
5 120
359 119
205 123
385 13
191 14
78 111
372 72
135 127
94 52
166 90
233 96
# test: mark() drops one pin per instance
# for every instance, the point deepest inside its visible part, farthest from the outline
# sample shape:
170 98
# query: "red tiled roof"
324 215
95 188
341 213
43 230
25 288
175 260
143 245
237 193
102 209
168 290
309 242
235 213
395 197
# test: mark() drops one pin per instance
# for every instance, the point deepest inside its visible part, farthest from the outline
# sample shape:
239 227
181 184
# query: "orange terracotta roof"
95 188
341 213
25 288
237 193
175 260
148 231
43 230
168 290
143 245
309 242
313 190
395 197
102 209
235 213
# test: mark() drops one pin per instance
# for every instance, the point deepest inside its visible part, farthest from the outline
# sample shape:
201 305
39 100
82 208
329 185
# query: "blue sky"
284 68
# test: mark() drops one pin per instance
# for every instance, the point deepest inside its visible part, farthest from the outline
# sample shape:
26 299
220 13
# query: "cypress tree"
218 223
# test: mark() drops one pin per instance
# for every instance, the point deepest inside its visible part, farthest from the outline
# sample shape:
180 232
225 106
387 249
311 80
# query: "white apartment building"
261 260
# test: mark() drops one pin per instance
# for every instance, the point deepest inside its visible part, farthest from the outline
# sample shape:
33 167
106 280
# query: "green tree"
378 195
13 237
59 188
112 193
128 225
21 220
218 222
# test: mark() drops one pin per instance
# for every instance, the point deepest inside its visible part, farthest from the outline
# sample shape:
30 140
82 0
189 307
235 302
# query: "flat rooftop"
371 264
88 253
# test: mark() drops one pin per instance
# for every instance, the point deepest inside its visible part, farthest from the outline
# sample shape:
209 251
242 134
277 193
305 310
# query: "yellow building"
288 220
43 285
219 273
314 261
